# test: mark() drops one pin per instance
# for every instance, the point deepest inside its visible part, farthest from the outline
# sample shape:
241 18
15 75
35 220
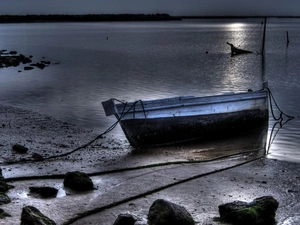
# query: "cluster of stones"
12 59
162 212
31 215
76 180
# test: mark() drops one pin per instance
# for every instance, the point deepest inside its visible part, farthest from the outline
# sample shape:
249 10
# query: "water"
147 60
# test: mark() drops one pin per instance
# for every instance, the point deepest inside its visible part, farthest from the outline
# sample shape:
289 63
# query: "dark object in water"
237 51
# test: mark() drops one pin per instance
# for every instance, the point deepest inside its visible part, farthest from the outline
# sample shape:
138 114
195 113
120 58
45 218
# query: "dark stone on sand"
261 211
1 176
78 181
44 192
3 214
4 186
163 212
37 156
125 219
31 215
20 148
4 199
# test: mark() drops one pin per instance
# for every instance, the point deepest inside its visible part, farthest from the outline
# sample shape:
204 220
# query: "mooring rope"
271 98
249 34
278 120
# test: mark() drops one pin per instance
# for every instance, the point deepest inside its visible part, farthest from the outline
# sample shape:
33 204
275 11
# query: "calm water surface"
147 60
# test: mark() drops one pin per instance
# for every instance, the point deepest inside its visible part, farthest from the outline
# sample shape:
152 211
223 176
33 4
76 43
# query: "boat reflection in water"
250 143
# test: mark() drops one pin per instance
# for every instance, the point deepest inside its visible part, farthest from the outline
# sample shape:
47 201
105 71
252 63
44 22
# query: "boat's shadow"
248 142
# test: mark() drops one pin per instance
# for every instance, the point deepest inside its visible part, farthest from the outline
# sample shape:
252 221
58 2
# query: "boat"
172 120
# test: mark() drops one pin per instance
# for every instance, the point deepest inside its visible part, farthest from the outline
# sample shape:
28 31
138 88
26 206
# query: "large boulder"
78 181
261 211
163 212
32 216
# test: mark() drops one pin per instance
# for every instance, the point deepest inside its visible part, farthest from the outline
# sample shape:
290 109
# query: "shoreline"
33 18
124 177
59 18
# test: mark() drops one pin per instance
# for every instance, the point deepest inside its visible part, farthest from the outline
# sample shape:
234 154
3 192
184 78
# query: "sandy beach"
130 180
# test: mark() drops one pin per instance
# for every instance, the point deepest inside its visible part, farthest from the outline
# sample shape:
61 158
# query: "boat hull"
173 120
163 131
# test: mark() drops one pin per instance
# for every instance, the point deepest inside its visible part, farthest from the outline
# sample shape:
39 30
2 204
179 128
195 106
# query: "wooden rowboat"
178 119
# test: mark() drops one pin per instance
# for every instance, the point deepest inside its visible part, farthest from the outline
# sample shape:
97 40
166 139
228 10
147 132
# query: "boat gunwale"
142 107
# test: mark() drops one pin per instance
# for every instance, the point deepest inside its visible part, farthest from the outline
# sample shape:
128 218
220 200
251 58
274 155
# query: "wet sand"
129 180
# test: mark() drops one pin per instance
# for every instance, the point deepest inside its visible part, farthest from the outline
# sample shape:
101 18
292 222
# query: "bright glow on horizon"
236 26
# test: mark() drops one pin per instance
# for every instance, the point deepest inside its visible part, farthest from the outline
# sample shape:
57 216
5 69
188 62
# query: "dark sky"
172 7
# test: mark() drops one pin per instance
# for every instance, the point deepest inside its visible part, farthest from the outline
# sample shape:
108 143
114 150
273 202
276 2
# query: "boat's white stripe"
207 109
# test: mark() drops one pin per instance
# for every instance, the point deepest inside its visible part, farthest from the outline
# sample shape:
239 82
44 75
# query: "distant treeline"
84 18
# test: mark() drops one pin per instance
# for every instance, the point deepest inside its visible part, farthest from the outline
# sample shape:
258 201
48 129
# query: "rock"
163 212
20 148
261 211
32 216
78 181
4 199
28 68
1 176
44 192
4 214
39 65
25 60
125 219
37 156
12 59
4 186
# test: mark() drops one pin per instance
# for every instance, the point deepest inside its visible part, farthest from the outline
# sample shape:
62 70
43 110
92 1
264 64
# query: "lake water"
92 62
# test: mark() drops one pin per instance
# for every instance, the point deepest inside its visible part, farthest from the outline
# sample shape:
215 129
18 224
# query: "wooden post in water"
264 39
287 38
